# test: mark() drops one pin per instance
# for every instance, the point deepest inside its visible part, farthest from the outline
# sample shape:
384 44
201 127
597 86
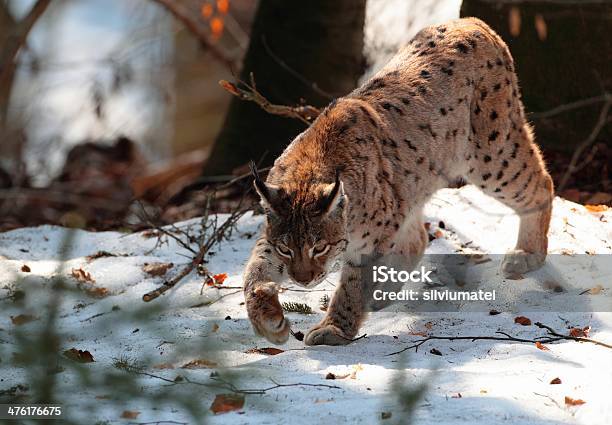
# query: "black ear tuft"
332 195
259 183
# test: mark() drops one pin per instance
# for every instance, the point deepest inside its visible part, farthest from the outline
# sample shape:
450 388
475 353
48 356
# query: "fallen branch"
226 385
552 332
555 336
217 234
304 113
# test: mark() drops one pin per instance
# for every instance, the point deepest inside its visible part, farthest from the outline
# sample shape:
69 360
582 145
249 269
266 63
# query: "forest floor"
198 343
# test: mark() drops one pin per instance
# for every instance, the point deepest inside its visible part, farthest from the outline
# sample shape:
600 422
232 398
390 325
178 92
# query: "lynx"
447 107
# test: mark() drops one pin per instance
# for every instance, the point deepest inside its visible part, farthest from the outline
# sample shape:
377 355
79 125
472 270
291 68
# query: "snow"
498 382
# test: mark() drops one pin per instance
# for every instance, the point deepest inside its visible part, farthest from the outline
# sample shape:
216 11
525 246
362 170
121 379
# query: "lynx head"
306 225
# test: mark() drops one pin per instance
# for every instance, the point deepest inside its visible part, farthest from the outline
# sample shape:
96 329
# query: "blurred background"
110 107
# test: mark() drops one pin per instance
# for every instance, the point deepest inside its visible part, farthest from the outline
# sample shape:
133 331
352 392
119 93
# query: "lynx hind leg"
506 164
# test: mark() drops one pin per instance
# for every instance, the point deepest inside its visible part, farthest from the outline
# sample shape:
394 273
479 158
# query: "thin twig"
183 15
606 97
226 385
599 125
217 234
552 332
304 113
310 84
505 337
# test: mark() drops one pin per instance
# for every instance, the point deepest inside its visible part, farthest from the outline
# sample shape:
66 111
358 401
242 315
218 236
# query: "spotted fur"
446 108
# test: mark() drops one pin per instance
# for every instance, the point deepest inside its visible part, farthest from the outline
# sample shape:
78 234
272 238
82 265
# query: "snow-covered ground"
472 382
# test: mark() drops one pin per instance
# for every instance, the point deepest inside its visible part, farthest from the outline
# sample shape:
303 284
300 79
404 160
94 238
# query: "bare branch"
184 16
599 125
554 337
305 113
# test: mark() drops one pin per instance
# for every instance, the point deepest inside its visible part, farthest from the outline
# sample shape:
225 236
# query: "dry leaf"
580 333
435 351
97 291
229 87
82 276
458 395
494 312
199 364
25 268
99 254
157 269
22 319
330 376
298 335
555 381
385 415
219 278
522 320
514 21
215 327
224 403
541 346
129 414
223 6
79 355
541 27
596 208
573 402
595 290
271 351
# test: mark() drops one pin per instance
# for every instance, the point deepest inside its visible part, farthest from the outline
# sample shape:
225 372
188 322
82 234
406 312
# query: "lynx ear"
333 197
268 193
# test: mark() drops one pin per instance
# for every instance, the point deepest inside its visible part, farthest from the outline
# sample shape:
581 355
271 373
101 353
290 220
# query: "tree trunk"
563 54
311 50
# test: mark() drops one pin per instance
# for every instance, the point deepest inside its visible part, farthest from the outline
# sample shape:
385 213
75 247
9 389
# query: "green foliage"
291 307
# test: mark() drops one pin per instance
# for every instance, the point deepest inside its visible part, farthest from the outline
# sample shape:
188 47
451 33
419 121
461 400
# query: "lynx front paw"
517 262
326 335
266 314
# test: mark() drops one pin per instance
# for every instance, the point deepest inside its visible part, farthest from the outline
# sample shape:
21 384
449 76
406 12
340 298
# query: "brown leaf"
435 351
298 335
199 364
25 268
157 269
82 276
494 312
522 320
580 333
99 254
229 87
330 376
555 381
271 351
129 414
596 290
514 21
541 346
385 415
458 395
22 319
97 291
79 355
224 403
596 208
573 402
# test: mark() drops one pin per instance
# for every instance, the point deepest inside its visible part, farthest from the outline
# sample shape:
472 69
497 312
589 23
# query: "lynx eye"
319 250
284 251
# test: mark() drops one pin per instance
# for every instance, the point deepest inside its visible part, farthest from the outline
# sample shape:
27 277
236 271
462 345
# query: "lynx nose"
303 277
